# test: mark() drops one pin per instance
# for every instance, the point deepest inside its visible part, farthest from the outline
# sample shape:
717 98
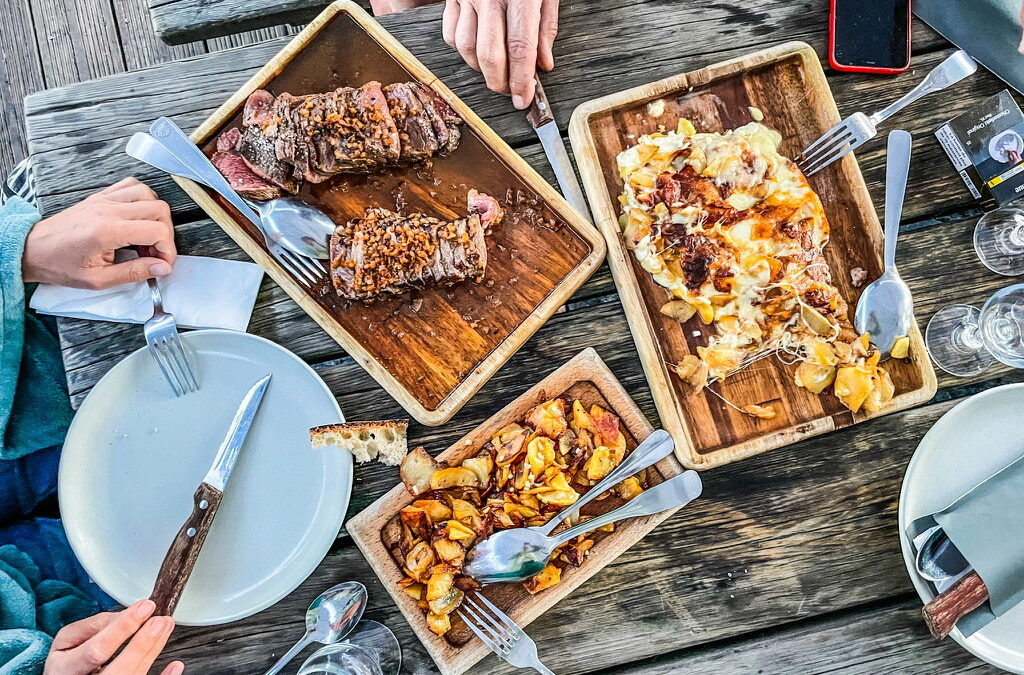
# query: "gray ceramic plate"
968 444
135 454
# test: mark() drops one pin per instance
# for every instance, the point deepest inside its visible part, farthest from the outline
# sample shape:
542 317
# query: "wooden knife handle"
539 111
960 599
181 556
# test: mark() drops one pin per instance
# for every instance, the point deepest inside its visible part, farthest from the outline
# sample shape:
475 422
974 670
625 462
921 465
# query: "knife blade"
543 122
184 550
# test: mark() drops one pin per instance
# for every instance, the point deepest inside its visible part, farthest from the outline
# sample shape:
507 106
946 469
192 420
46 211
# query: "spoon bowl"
330 617
938 559
300 227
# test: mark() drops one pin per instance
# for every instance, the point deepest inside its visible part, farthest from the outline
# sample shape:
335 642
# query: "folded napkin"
984 525
200 293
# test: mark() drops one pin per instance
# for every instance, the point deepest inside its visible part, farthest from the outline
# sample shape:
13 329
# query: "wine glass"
964 341
999 241
370 649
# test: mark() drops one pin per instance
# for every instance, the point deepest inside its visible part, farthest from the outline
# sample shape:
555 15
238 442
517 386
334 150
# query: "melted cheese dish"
733 230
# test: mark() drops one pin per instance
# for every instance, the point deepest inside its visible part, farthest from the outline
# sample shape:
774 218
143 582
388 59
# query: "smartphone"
869 36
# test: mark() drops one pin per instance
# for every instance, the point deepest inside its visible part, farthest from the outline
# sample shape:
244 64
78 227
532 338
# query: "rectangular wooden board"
584 377
433 354
787 84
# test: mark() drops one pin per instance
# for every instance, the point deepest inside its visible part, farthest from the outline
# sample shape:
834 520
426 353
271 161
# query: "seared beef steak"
386 253
288 139
238 173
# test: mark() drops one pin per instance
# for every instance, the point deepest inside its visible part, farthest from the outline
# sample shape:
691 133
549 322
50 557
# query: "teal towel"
32 610
34 407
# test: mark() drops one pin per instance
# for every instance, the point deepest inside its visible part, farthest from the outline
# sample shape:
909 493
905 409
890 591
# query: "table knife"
543 122
181 556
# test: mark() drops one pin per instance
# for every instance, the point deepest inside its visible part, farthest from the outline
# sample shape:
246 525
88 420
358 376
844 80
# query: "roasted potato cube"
481 466
416 469
607 426
629 488
467 514
853 385
509 442
814 377
459 532
521 476
448 603
901 348
439 624
435 508
548 418
692 371
581 419
600 463
417 520
528 500
540 454
452 552
560 494
419 561
680 310
440 585
455 476
882 391
518 512
546 578
415 591
574 553
764 412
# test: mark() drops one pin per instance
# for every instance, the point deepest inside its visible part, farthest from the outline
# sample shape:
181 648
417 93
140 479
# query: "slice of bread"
384 441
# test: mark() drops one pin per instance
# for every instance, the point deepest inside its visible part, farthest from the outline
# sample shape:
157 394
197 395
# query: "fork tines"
307 271
498 632
834 144
168 353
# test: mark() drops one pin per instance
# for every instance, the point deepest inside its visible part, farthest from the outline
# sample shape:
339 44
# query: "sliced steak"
442 116
259 108
239 175
387 253
415 129
257 149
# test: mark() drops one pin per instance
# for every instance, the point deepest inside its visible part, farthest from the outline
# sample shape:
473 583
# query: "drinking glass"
999 241
370 649
965 341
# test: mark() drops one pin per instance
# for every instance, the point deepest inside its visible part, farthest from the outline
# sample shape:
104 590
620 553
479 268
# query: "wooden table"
790 561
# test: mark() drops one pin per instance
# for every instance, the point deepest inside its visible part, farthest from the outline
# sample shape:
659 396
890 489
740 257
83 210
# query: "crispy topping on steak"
240 176
386 253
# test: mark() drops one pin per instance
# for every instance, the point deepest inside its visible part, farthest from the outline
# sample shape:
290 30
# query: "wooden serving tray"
585 377
434 354
788 85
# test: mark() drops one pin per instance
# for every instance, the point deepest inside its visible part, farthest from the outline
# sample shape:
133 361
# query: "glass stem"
966 337
1013 239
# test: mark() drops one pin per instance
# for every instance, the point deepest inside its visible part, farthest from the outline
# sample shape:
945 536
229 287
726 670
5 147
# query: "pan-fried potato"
455 476
416 470
525 474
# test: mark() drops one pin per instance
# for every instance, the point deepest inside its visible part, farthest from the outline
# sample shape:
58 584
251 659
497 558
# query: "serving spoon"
938 559
331 617
886 309
518 554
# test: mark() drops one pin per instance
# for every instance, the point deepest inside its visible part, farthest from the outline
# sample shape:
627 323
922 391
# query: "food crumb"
756 113
858 275
656 108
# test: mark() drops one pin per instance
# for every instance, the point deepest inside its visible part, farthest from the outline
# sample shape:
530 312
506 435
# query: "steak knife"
181 556
543 122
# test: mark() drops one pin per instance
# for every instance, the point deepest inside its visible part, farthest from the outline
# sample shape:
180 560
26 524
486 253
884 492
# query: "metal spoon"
331 617
939 559
886 309
296 225
514 555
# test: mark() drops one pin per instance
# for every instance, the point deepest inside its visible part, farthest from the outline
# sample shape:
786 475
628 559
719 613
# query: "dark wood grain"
184 550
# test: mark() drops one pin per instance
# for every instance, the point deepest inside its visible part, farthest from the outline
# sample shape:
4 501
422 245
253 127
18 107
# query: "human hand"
76 247
1020 48
86 647
506 40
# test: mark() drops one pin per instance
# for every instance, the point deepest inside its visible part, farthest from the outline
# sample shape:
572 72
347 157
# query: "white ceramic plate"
967 445
135 454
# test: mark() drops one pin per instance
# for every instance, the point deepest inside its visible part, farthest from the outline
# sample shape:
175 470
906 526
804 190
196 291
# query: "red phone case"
862 69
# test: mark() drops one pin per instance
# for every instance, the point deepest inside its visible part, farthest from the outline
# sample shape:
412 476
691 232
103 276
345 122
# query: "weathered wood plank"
889 639
251 37
20 73
177 21
736 560
77 40
139 44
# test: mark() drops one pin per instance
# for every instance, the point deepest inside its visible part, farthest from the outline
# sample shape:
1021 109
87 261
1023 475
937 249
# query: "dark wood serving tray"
433 350
787 84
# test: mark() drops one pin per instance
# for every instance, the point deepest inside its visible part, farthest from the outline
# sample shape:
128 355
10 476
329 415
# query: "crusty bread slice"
384 441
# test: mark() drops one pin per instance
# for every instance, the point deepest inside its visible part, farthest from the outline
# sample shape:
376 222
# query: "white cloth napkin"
200 293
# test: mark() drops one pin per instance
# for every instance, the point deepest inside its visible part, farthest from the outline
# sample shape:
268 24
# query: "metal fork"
165 346
858 128
500 633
